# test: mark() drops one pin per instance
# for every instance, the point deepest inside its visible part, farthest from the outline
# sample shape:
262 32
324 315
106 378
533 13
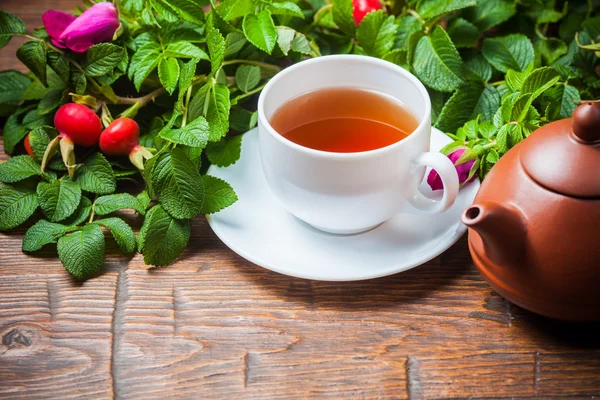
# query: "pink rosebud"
96 25
463 170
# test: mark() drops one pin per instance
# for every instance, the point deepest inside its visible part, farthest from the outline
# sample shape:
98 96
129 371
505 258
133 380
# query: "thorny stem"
252 62
141 100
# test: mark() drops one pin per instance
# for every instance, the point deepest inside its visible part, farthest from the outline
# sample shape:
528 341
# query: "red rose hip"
121 138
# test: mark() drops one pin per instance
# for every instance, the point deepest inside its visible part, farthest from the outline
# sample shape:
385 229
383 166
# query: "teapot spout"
501 228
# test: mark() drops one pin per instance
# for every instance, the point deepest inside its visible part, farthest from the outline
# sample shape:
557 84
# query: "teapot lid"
564 156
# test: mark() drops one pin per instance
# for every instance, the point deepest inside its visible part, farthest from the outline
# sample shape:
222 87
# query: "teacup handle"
447 172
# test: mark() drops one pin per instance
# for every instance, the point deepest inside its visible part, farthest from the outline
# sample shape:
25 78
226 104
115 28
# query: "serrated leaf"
232 9
216 49
188 70
242 120
343 16
539 81
43 233
51 101
122 233
14 132
376 33
96 175
514 79
489 13
16 206
247 77
59 65
459 108
565 96
509 52
113 202
168 73
58 199
407 25
398 57
163 237
12 85
185 50
478 67
234 42
226 152
218 195
164 10
102 58
19 168
143 62
521 108
194 134
488 103
463 33
189 10
550 49
82 252
33 55
178 185
286 8
10 25
301 45
34 119
218 112
81 214
543 12
285 36
260 30
432 8
437 63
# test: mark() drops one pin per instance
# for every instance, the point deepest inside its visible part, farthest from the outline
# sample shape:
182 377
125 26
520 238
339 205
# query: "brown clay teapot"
534 228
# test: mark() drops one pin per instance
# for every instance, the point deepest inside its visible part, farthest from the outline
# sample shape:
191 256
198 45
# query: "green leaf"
550 49
376 33
260 30
459 108
82 252
52 100
189 10
43 233
509 52
194 134
34 119
398 57
592 27
478 67
33 55
543 12
178 184
232 9
432 8
488 103
565 96
539 81
102 58
113 202
81 214
489 13
14 132
122 233
218 112
218 195
242 120
437 63
247 77
59 65
168 73
58 199
301 45
286 8
12 85
216 49
285 36
164 11
19 168
188 70
10 25
96 175
407 25
463 33
16 206
226 152
143 63
39 139
162 237
234 42
343 16
185 50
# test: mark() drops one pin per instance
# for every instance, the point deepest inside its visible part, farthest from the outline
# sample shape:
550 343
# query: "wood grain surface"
216 326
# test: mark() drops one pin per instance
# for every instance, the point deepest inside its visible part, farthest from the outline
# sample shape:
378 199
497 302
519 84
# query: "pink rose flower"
463 170
96 25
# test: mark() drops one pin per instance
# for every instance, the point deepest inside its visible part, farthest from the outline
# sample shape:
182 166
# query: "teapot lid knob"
586 121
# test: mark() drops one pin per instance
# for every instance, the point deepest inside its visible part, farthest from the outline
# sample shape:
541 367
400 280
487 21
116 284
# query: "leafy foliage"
189 72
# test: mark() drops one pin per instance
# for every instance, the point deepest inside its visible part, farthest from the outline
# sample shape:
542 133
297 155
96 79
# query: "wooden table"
216 326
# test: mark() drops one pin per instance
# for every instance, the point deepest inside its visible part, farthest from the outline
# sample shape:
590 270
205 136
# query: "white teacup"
351 192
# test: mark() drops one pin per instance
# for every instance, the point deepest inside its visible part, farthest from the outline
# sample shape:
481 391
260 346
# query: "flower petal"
56 22
96 25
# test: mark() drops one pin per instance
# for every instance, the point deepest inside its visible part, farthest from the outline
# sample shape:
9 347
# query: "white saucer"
258 228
